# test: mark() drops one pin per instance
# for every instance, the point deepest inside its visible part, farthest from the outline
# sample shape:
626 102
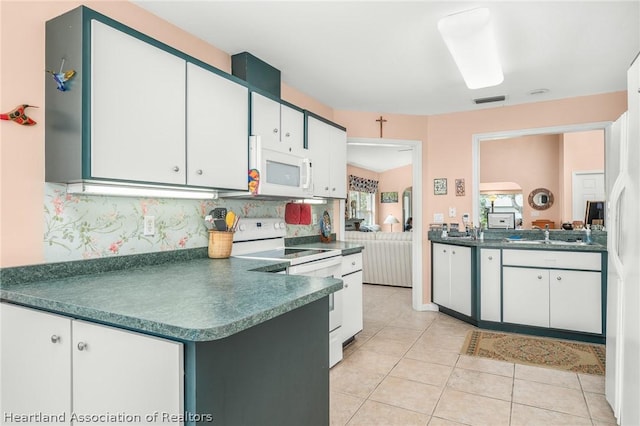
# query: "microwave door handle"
307 181
255 154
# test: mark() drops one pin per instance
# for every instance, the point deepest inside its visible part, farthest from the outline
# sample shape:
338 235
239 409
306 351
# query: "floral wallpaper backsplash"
87 226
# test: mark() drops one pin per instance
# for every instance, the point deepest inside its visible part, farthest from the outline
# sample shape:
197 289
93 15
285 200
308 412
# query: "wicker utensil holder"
220 244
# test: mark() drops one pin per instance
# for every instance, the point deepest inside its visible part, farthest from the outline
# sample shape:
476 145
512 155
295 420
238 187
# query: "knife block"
220 244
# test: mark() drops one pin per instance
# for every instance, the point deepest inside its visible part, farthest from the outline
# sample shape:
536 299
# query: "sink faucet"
546 233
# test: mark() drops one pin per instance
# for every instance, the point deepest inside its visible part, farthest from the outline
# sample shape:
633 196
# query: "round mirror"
540 199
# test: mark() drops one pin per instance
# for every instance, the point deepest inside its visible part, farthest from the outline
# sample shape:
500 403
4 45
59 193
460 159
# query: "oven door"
281 174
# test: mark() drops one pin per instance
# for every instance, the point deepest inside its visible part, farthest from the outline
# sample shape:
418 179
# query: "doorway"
416 205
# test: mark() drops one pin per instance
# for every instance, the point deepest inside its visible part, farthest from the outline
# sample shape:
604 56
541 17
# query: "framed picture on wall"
459 187
440 186
388 197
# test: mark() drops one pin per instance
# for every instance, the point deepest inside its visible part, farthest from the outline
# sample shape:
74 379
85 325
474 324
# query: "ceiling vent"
490 99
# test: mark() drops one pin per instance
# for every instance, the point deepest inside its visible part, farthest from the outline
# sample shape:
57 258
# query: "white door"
575 301
441 275
265 121
319 138
137 109
35 362
338 163
217 130
587 186
292 128
490 285
120 371
460 279
525 293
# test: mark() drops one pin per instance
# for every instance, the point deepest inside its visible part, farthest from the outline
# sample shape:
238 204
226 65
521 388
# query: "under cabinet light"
470 39
133 190
311 201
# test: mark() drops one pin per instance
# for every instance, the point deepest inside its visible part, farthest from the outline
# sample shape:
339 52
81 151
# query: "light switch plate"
438 218
452 212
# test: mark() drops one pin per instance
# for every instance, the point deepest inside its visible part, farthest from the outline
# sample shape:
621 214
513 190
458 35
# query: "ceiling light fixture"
470 39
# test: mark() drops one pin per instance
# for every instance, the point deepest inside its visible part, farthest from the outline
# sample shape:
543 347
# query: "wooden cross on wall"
381 121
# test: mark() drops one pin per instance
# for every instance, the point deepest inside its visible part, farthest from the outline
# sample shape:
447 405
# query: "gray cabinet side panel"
63 110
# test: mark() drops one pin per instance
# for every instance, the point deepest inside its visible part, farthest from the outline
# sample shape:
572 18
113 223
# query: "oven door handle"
304 268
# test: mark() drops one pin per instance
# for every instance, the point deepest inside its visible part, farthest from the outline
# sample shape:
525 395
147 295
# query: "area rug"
543 352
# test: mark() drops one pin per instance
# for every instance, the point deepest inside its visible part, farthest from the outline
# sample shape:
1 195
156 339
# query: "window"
362 206
502 203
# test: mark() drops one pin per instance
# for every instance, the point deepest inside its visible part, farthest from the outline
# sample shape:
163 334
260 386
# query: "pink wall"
22 80
582 151
394 180
531 162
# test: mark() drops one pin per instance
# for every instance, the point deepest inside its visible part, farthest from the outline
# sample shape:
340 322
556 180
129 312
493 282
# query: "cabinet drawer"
351 263
552 259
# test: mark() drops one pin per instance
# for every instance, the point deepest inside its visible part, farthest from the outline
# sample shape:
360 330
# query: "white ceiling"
388 57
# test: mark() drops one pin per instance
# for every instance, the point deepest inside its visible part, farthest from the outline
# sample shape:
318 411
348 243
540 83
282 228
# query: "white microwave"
281 174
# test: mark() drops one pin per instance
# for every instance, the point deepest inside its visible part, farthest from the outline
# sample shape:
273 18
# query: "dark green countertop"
557 244
192 299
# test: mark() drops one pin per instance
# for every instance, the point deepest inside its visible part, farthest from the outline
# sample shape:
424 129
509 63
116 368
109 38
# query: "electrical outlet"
438 218
149 225
535 213
314 218
452 212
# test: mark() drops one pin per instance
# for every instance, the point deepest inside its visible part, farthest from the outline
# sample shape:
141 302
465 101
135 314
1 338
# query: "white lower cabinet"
490 295
55 365
575 301
452 277
526 296
565 299
352 296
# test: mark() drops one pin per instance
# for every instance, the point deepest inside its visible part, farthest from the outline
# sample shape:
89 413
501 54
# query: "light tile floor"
404 368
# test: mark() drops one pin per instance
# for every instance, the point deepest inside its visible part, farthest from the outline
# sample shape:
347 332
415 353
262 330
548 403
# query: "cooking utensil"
230 220
218 213
220 224
208 221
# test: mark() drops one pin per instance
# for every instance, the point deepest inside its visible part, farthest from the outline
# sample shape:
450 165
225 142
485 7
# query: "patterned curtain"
362 185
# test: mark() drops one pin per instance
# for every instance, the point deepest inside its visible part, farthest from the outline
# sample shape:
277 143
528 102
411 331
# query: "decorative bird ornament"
19 116
61 78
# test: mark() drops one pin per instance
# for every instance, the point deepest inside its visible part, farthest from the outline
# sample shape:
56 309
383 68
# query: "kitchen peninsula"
518 282
253 343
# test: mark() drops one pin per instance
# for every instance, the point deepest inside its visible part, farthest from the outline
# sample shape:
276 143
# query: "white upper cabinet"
280 127
137 109
328 151
217 130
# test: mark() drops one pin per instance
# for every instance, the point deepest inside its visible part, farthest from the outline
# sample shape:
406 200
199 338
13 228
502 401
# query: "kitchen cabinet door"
441 275
460 279
338 163
280 127
328 151
217 130
120 371
137 109
292 130
352 315
525 293
575 301
490 292
35 354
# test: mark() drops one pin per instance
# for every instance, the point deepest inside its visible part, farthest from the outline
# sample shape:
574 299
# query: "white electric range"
264 238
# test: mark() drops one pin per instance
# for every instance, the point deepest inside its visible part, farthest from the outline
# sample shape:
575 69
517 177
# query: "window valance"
363 185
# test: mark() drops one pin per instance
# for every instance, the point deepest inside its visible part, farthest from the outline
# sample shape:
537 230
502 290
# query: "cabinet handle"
444 250
559 278
286 135
176 168
539 277
199 171
353 263
82 346
55 338
490 257
326 188
346 286
275 130
453 252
